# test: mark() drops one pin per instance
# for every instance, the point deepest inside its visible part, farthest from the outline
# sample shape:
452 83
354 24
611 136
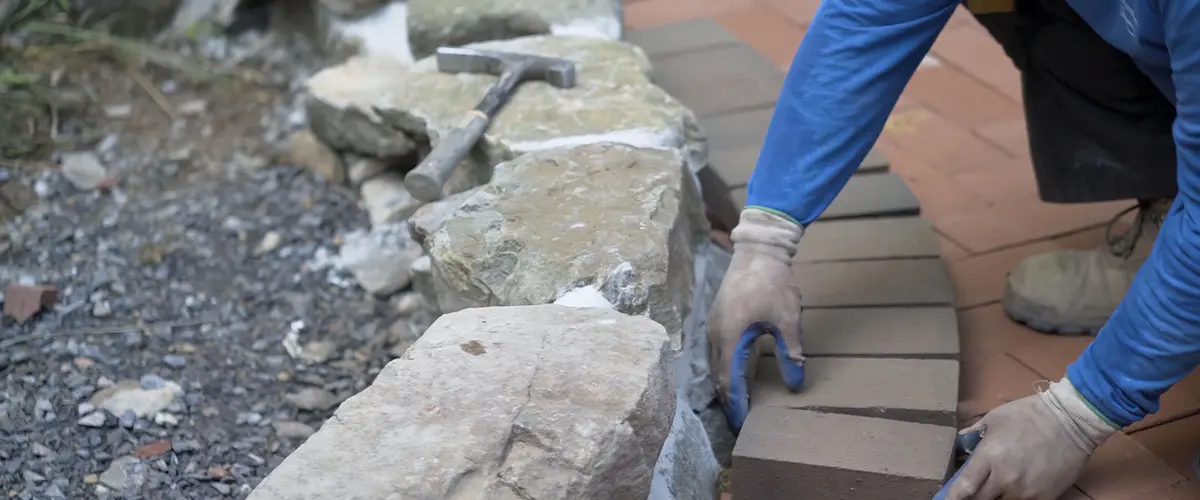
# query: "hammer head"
557 72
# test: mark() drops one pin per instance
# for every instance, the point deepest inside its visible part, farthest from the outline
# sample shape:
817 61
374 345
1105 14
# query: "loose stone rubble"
433 23
622 220
496 403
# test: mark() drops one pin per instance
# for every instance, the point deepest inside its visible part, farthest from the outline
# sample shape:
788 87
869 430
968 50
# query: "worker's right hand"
758 295
1033 448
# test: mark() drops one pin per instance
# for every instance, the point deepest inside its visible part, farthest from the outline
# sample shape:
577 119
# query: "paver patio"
957 138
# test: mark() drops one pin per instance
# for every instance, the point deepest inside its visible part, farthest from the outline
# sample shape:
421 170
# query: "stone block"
684 36
873 195
435 23
546 402
896 332
368 105
735 164
904 282
720 79
783 453
867 239
622 220
912 390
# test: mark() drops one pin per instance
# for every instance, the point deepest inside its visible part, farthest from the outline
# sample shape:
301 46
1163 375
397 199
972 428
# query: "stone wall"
563 283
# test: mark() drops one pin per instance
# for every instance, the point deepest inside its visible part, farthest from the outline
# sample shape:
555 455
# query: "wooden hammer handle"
426 182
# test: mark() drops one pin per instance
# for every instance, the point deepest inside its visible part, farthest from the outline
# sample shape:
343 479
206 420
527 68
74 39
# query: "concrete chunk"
545 402
905 282
912 390
783 453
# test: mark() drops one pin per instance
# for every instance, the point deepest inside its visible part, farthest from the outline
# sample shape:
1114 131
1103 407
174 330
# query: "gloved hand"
1033 448
759 295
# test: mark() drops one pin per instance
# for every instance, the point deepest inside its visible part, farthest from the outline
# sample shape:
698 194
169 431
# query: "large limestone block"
623 220
377 106
536 402
434 23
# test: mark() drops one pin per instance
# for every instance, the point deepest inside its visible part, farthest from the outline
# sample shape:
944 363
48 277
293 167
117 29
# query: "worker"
1103 83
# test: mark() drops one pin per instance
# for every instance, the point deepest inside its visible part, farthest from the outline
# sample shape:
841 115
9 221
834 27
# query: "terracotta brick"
939 143
939 195
893 332
1176 443
963 100
799 11
1000 182
1009 135
1122 469
1074 494
651 13
772 35
977 54
990 382
986 332
1020 221
981 279
950 249
1187 490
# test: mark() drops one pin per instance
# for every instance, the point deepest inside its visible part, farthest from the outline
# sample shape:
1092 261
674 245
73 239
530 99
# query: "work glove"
759 296
1033 448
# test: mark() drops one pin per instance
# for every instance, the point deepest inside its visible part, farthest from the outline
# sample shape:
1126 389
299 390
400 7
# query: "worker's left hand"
1033 448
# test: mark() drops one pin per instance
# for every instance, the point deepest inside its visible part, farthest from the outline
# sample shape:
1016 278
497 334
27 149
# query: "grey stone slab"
874 162
870 195
873 195
899 332
684 36
905 282
719 79
862 239
783 453
912 390
737 130
734 165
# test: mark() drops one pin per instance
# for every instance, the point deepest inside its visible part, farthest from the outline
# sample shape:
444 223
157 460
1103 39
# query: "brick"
981 279
684 36
951 250
1176 443
1123 469
651 13
1021 221
908 282
908 332
741 129
785 453
921 391
960 98
938 143
863 239
772 35
976 53
1009 135
988 382
875 161
799 11
987 331
735 167
1187 490
720 79
1010 179
873 195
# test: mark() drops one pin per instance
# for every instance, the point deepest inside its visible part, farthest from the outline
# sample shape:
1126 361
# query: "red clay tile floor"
957 138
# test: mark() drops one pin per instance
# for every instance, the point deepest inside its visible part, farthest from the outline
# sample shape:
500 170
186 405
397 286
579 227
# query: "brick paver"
957 138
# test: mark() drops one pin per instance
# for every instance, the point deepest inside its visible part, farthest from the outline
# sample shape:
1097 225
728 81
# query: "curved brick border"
877 417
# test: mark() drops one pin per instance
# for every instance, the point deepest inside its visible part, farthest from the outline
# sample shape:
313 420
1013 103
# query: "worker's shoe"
1073 292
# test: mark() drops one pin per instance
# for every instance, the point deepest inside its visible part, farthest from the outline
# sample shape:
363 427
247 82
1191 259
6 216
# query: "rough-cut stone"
686 468
387 200
381 258
625 220
434 23
495 403
369 100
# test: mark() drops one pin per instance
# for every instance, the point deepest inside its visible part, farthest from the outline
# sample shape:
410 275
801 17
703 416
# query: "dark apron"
1099 129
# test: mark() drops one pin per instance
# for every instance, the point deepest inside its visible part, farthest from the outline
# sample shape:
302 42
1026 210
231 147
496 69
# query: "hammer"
425 182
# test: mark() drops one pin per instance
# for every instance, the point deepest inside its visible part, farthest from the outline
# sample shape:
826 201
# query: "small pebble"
174 361
94 419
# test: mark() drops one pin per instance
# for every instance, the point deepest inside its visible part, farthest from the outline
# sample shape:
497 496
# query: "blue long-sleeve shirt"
848 73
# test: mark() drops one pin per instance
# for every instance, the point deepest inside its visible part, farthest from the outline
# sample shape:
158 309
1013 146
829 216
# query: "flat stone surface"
912 390
684 36
550 401
873 195
622 220
911 332
784 453
738 129
735 165
434 23
904 282
613 101
720 79
859 239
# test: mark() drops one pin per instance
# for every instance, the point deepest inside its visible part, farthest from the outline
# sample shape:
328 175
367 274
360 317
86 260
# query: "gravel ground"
217 289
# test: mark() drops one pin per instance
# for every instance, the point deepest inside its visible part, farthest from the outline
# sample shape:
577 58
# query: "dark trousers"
1099 129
